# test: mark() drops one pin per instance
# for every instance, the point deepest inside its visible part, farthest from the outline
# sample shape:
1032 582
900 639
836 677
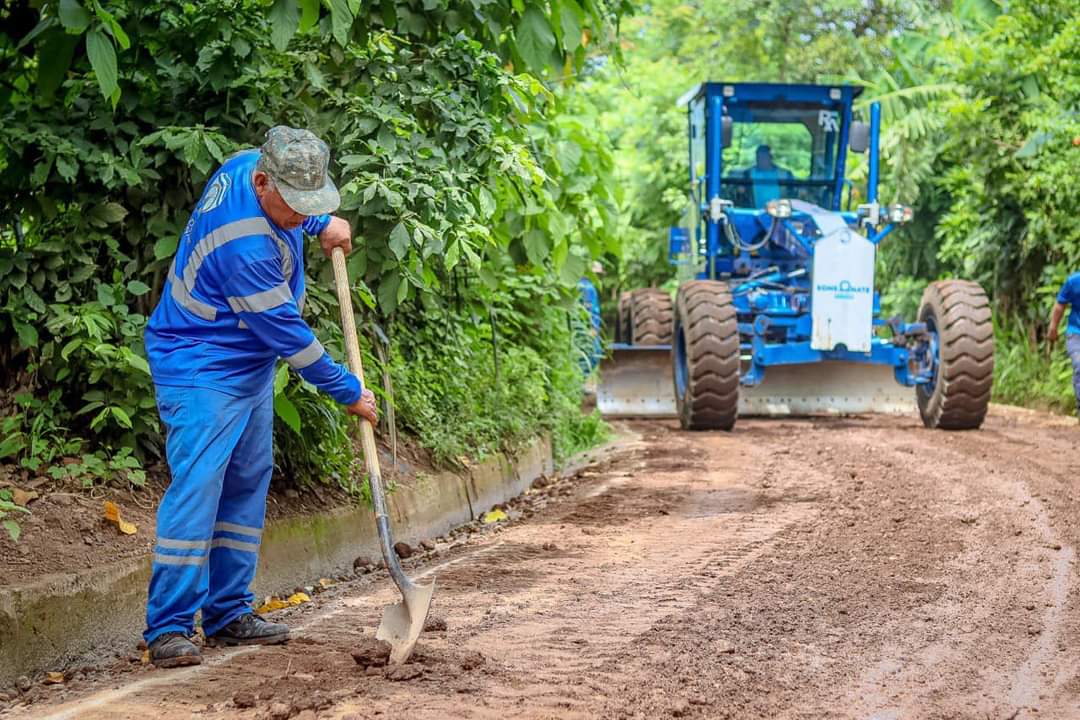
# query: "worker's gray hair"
261 166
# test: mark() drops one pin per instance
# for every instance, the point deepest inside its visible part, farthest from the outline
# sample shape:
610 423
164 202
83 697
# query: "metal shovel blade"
403 621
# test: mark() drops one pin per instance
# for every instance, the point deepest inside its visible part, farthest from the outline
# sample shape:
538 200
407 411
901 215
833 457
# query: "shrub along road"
802 568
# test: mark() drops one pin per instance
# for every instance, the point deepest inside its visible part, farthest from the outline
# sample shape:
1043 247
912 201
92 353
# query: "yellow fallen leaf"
271 605
54 678
494 516
112 514
325 583
145 657
298 598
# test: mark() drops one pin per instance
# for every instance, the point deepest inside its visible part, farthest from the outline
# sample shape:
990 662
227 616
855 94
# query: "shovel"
401 622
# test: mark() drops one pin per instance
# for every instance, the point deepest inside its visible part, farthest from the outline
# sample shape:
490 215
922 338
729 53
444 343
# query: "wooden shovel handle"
352 353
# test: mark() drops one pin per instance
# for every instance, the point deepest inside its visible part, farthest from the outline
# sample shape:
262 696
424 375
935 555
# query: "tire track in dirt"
826 568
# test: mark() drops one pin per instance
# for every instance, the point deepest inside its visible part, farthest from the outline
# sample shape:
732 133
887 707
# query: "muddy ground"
840 568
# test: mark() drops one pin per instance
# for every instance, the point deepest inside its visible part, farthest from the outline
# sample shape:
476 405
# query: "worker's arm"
1055 320
258 294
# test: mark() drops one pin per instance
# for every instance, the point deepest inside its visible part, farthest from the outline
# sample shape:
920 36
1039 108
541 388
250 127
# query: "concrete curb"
62 619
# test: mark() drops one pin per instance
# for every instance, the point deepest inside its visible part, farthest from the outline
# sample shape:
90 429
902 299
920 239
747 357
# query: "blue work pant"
1072 344
209 524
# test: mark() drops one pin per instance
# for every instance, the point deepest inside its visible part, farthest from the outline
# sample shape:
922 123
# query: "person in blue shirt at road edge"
1069 295
231 307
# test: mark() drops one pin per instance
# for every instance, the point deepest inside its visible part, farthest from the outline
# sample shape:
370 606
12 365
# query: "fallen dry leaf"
21 497
112 514
325 583
275 603
54 678
271 605
494 516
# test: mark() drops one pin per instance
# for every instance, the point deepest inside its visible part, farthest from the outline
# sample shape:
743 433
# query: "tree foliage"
459 169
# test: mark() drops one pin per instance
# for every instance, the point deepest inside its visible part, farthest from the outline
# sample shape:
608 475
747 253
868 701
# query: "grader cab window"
781 153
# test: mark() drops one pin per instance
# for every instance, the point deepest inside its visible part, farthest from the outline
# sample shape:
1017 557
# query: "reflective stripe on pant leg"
234 552
1072 344
202 430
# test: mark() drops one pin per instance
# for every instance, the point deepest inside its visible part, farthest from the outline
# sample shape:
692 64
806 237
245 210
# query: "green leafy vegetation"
460 169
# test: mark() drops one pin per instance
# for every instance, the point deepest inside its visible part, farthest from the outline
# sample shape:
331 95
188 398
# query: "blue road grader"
782 316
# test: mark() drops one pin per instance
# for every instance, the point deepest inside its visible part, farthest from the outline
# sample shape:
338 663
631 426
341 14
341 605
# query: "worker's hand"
336 234
365 407
1052 335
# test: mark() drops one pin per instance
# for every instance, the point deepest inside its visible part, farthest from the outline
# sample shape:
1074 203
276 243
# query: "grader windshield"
781 152
776 150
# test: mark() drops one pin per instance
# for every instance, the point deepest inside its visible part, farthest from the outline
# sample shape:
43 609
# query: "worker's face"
273 204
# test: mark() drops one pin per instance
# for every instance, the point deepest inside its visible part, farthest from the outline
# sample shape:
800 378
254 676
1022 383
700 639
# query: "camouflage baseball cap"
297 162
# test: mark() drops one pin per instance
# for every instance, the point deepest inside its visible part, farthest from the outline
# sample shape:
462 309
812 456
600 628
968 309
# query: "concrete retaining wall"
61 619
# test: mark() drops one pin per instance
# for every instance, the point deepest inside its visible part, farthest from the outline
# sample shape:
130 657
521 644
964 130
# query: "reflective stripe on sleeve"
307 356
261 301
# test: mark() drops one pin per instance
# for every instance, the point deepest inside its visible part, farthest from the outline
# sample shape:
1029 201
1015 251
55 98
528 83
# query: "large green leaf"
310 14
165 247
536 246
102 54
284 21
341 20
534 39
286 410
399 241
74 17
54 59
570 18
28 336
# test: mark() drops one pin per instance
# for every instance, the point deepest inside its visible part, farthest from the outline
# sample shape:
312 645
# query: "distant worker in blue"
231 307
1069 295
589 344
766 176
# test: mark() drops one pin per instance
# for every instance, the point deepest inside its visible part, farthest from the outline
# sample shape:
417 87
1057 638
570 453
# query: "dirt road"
848 568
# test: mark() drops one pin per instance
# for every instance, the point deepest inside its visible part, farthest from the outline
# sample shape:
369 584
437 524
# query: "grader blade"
637 382
827 388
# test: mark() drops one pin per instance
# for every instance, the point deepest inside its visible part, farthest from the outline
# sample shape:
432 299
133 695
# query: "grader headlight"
900 214
779 209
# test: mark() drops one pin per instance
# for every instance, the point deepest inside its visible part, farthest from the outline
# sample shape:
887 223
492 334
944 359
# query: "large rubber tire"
960 313
705 356
651 315
622 320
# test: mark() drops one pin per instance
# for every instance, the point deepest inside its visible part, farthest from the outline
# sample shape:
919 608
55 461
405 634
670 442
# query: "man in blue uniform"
1069 295
767 176
230 308
588 340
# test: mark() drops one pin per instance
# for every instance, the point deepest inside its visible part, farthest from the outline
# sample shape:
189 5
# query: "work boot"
174 649
250 629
